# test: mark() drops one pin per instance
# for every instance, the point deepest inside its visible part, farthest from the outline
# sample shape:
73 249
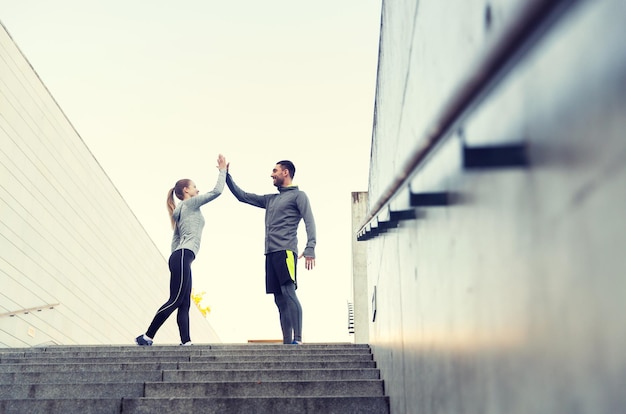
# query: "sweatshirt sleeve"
309 222
201 199
248 198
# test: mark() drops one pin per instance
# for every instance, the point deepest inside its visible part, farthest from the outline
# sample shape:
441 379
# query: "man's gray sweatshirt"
283 212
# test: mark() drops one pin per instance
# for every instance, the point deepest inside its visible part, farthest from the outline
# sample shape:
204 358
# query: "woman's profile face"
191 190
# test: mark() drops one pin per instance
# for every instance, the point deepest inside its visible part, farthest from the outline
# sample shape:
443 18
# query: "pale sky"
157 89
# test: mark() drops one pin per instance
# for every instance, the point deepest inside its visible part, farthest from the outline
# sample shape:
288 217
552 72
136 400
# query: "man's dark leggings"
290 313
180 295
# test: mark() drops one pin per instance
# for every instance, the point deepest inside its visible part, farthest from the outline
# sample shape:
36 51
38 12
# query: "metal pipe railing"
29 310
533 18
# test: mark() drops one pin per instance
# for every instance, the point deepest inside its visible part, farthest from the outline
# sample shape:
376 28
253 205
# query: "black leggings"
290 312
180 295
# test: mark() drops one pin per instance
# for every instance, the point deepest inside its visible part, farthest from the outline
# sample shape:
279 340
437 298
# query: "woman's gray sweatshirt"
189 219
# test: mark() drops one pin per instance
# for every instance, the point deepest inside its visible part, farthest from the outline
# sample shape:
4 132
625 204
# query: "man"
283 212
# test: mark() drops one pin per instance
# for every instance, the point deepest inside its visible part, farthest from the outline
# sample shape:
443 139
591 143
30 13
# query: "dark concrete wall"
510 299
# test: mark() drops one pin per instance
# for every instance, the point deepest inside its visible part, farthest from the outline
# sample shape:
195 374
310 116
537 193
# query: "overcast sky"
157 89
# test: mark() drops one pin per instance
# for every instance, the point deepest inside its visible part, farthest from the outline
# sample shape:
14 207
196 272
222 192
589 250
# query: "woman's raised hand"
221 162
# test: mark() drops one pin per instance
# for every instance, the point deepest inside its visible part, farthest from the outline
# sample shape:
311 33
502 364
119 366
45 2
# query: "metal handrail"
534 17
29 310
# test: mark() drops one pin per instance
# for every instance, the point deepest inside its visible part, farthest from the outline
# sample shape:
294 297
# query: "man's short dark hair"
288 165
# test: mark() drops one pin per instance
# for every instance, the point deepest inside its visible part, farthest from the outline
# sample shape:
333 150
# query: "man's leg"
285 321
294 309
280 272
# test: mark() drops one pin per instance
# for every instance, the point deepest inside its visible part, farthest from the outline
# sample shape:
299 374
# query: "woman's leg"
182 318
177 264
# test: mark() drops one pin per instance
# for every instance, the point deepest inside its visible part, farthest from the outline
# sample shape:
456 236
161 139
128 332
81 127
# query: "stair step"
269 375
269 365
64 406
189 358
43 377
41 366
288 405
265 388
72 390
171 348
80 377
193 389
145 366
197 351
221 405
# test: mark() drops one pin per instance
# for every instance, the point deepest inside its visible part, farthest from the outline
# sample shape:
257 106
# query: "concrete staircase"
246 378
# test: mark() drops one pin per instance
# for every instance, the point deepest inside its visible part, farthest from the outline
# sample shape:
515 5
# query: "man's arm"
309 222
248 198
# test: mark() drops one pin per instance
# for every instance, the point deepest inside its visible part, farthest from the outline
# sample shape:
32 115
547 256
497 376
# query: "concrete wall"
360 296
511 299
76 266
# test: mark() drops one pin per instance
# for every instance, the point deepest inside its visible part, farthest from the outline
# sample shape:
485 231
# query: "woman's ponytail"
171 206
178 189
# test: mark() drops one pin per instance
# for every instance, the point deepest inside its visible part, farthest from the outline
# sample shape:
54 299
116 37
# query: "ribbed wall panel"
67 237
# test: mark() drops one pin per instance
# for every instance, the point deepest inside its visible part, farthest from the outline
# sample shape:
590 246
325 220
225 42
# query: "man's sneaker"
143 342
296 343
188 343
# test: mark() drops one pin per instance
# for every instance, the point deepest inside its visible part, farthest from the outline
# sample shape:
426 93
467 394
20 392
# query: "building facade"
76 266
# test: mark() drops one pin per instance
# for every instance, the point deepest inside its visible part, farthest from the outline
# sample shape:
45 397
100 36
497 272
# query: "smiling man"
283 212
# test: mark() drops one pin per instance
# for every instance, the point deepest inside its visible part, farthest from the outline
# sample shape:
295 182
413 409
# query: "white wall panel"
66 235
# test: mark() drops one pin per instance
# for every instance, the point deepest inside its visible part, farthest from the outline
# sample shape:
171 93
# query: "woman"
187 223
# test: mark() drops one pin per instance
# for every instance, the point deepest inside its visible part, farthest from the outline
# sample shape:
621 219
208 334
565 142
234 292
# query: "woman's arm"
201 199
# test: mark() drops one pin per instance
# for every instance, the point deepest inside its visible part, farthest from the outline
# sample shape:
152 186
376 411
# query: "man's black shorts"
280 268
